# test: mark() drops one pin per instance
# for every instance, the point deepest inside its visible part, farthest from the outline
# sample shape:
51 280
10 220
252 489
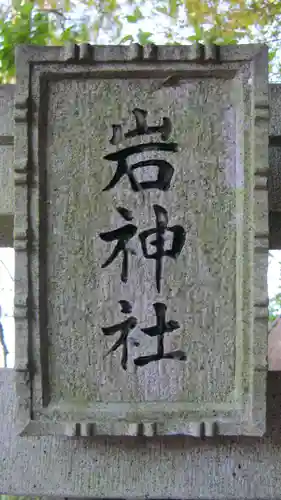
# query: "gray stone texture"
6 230
274 184
218 194
275 230
174 467
6 165
274 345
7 179
170 467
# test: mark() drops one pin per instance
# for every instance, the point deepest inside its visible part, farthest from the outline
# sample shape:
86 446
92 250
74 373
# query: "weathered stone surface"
83 297
6 200
171 467
209 289
6 171
275 110
274 346
6 230
274 184
275 231
6 165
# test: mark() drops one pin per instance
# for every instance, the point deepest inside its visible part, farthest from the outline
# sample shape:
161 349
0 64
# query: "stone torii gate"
229 451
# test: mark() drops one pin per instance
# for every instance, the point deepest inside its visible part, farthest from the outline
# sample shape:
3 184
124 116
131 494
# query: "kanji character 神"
160 230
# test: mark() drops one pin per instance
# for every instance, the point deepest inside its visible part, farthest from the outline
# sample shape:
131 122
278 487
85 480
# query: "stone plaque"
141 240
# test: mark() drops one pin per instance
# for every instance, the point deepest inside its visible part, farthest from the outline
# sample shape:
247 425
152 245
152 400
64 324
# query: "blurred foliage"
26 24
275 302
53 22
275 307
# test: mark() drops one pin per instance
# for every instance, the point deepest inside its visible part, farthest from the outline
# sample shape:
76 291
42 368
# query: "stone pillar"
6 165
139 464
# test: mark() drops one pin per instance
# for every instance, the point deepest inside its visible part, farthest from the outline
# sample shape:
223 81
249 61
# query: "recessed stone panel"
145 242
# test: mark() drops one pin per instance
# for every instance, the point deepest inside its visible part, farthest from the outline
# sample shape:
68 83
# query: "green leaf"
173 8
132 19
16 4
162 10
66 6
127 38
198 32
67 34
84 36
135 17
26 9
193 38
138 13
144 37
272 54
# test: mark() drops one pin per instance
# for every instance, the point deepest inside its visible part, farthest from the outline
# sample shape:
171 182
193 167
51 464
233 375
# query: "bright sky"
7 272
274 273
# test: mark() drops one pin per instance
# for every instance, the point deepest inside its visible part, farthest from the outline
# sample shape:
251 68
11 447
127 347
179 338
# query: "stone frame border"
213 61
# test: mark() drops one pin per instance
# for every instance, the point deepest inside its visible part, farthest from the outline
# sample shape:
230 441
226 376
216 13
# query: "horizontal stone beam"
173 467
